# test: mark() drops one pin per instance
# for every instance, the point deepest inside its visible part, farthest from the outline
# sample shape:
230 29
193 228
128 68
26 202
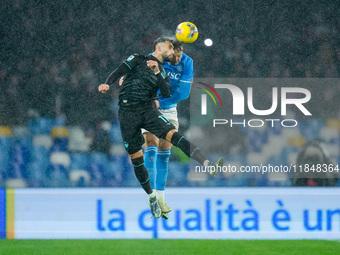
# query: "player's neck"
158 56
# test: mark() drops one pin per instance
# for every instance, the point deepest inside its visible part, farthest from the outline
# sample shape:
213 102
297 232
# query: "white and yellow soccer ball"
186 32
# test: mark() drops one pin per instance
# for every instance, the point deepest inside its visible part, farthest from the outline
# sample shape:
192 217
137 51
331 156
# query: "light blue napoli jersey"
181 78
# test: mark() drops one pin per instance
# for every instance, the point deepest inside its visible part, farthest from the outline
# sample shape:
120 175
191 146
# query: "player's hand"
121 80
103 88
157 103
153 65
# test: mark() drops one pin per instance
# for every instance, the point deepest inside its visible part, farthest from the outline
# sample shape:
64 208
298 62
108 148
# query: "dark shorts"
131 121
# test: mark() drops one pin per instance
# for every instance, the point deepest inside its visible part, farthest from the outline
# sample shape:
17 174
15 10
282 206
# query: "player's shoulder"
135 56
186 59
186 62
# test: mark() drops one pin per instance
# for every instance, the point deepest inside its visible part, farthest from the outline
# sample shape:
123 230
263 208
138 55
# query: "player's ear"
158 47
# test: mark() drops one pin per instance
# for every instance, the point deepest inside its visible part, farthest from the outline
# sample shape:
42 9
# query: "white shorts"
171 115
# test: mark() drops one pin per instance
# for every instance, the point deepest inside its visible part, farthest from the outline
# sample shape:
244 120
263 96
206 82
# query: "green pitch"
165 247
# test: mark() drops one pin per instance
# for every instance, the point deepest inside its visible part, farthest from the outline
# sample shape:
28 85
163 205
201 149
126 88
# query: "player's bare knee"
137 154
170 134
164 145
150 140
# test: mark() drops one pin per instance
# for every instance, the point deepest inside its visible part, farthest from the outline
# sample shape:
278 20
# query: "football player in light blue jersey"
157 151
181 72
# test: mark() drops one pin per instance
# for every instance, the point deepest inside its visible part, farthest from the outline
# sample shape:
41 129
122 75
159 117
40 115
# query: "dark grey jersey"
140 84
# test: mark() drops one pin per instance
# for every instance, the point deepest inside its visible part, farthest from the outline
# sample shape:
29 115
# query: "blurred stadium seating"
42 159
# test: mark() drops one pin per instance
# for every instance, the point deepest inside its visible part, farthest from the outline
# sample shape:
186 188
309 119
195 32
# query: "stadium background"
58 131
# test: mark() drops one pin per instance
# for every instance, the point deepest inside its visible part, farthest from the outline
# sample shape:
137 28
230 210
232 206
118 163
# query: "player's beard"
166 57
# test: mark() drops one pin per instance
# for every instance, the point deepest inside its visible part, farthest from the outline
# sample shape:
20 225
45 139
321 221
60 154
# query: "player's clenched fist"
103 88
153 65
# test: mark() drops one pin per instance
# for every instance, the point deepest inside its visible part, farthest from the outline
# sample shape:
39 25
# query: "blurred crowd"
55 54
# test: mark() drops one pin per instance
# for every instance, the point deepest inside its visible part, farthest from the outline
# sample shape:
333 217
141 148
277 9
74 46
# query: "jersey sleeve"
133 60
127 65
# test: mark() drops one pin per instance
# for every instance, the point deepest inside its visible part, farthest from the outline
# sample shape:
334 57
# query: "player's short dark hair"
160 40
177 45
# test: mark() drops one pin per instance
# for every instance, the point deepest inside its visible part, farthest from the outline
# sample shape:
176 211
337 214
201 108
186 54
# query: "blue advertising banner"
2 214
197 213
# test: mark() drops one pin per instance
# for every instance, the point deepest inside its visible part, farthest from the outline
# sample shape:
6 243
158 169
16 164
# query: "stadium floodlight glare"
208 42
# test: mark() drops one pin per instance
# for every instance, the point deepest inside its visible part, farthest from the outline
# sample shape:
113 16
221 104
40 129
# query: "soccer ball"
186 32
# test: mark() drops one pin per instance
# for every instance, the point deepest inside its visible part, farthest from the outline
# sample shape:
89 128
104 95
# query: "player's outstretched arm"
119 72
124 68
